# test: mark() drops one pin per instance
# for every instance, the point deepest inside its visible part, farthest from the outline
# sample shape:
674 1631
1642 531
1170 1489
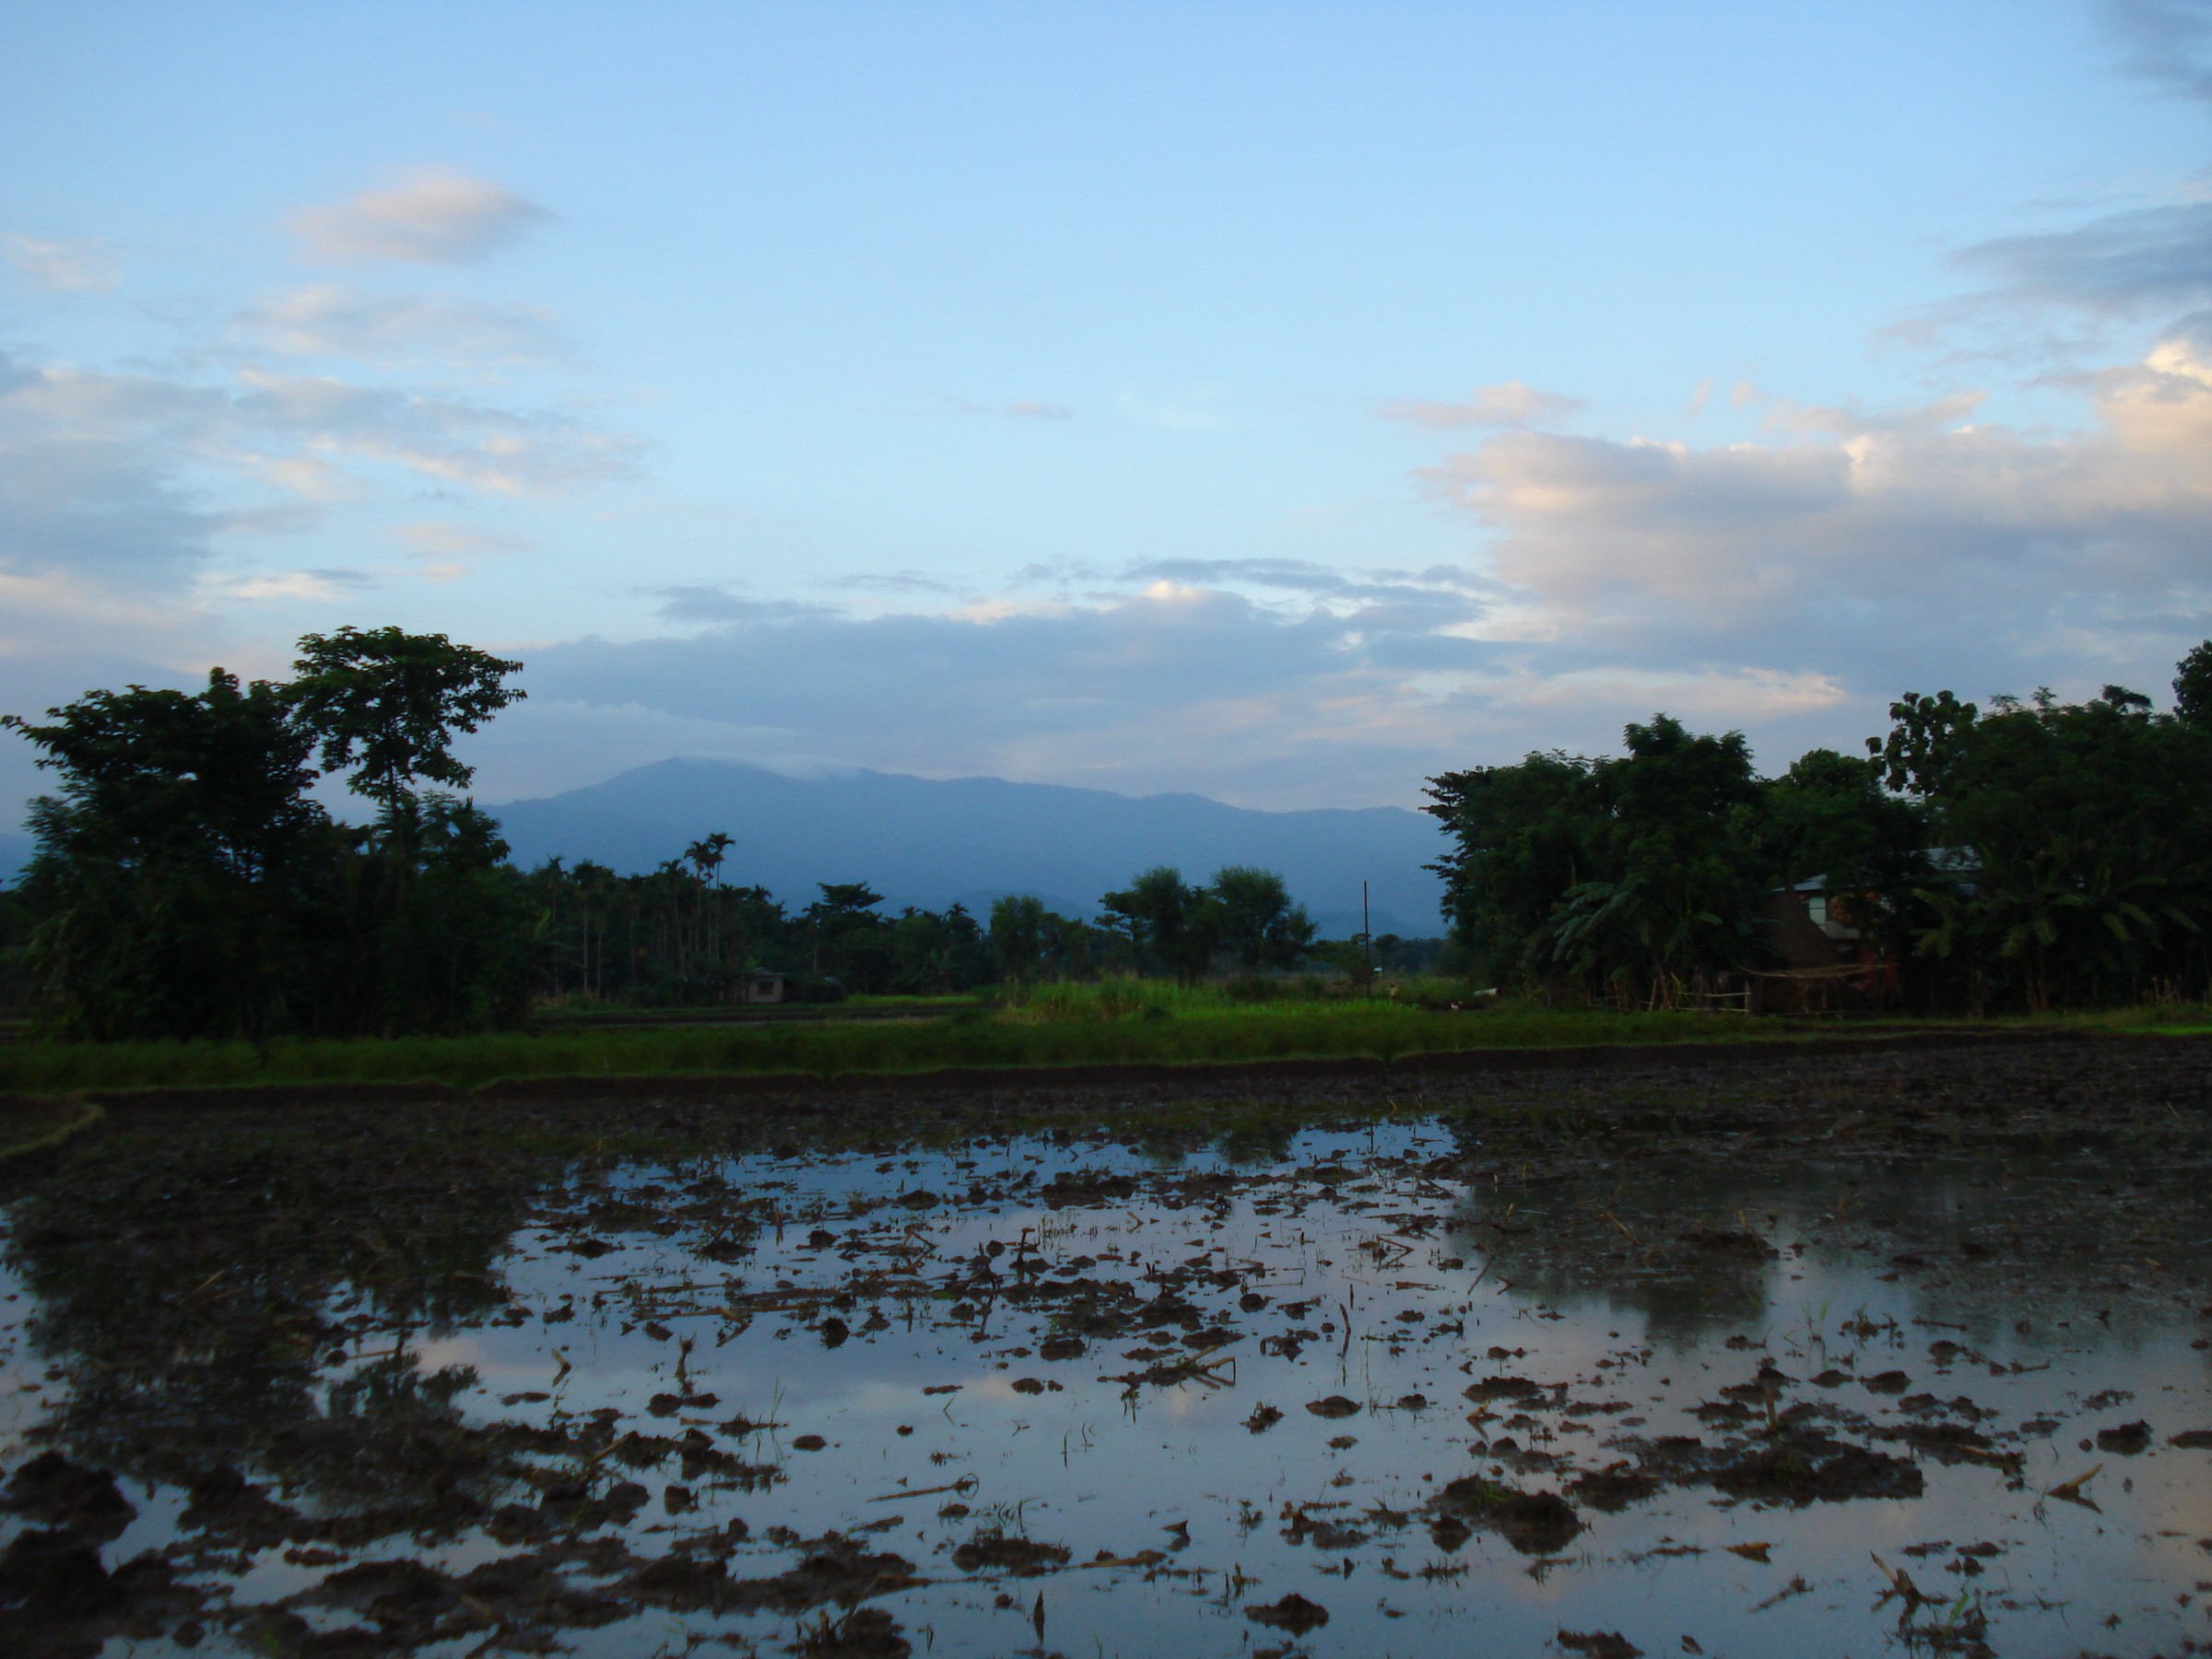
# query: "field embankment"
1082 1031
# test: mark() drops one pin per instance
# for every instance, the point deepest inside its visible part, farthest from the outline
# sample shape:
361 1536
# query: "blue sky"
1279 402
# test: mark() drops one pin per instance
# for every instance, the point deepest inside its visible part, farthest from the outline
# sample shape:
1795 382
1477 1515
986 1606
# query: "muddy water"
1410 1378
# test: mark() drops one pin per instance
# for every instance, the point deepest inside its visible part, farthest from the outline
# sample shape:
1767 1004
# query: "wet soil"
1835 1351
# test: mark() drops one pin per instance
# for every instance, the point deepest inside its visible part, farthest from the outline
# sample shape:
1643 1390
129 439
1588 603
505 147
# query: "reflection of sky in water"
1097 1470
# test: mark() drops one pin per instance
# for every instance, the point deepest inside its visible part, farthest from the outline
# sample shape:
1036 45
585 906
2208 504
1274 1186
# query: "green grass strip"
1175 1029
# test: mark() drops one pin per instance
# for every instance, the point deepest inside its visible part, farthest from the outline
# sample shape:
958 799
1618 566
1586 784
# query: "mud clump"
2129 1439
1294 1613
1533 1522
834 1569
223 1502
1599 1644
58 1602
1803 1475
1612 1490
51 1574
863 1634
85 1501
1086 1186
1333 1407
996 1552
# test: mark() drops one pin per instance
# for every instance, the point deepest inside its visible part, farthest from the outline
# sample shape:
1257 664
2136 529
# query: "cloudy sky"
1283 402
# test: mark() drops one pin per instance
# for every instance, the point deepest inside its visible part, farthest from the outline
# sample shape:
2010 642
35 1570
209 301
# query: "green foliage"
391 703
1030 943
186 884
1203 1025
1620 879
1244 917
1925 735
2193 687
2083 863
1255 922
2035 856
1165 921
678 937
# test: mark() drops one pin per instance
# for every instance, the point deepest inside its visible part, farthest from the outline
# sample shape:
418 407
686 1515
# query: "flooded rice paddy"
1900 1353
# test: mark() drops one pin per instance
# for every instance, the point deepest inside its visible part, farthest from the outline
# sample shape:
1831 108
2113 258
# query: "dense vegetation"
679 937
2032 856
187 883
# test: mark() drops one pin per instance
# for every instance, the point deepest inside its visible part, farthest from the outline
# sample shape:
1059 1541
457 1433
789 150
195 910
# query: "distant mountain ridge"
933 842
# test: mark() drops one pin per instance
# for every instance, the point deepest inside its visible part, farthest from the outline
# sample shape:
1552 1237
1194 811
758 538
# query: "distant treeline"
680 937
186 883
2029 856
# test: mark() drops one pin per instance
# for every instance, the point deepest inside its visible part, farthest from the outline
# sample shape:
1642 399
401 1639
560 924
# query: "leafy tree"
1022 935
847 942
1926 735
389 703
1523 836
1167 920
186 884
173 862
2083 861
1256 920
2193 687
1622 878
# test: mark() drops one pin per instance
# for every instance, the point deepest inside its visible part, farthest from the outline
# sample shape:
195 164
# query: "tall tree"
2193 687
388 704
174 860
1166 919
1256 920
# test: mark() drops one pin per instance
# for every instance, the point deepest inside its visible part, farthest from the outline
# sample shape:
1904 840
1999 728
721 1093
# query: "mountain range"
933 842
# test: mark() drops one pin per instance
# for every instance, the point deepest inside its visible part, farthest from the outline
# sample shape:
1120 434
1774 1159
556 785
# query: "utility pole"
1367 940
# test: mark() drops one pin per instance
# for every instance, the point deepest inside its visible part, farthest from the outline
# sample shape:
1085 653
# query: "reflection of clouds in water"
1097 1471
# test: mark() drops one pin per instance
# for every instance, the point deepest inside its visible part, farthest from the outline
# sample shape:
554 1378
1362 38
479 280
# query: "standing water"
1909 1358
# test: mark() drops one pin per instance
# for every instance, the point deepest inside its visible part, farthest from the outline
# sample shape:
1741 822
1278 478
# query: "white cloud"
1176 685
63 265
430 215
327 321
442 539
504 451
1866 548
1789 586
1195 411
135 479
1020 409
1508 404
290 584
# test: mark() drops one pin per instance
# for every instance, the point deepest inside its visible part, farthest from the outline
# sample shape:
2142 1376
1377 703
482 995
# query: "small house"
1826 959
761 987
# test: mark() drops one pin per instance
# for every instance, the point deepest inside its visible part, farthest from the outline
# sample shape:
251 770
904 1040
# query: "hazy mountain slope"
929 842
